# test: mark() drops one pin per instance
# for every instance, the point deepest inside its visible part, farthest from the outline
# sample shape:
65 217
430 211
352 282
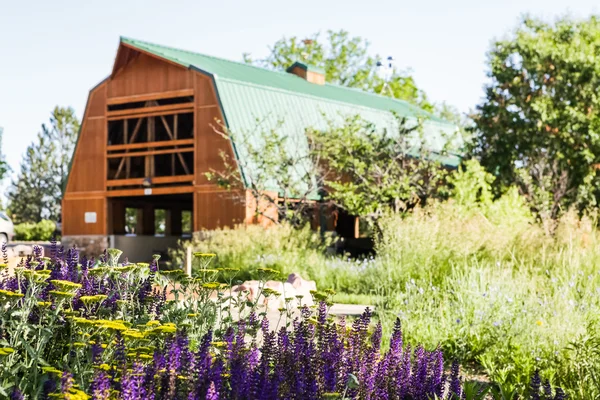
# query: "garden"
482 281
74 328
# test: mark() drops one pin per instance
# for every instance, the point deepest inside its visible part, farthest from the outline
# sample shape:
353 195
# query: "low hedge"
29 231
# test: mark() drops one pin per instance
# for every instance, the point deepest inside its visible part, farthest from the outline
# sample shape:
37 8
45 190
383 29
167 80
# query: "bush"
71 327
41 231
282 247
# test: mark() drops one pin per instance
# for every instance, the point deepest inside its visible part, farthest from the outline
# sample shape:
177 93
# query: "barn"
147 140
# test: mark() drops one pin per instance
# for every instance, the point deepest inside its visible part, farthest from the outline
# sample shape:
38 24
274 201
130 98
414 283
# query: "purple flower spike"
212 393
16 395
100 387
66 382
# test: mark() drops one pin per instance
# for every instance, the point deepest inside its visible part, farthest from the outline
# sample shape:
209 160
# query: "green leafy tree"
4 168
30 198
281 178
36 194
346 61
369 172
539 125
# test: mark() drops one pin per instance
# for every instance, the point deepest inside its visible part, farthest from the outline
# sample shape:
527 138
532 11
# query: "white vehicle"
7 229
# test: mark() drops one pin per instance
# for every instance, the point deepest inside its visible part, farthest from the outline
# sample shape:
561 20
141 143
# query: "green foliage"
583 367
346 62
370 172
4 167
29 231
37 192
538 125
281 178
281 247
476 274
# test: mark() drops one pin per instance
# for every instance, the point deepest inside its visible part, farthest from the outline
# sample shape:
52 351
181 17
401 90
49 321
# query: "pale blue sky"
53 52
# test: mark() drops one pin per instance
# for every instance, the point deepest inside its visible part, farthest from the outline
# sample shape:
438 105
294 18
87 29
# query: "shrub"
24 231
281 247
41 231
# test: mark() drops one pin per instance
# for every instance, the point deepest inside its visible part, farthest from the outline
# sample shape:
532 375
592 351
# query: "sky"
54 52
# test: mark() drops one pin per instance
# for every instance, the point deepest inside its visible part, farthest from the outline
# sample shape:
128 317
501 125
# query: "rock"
302 288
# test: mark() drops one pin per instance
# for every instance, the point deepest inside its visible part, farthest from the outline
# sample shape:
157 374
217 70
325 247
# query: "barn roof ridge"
328 91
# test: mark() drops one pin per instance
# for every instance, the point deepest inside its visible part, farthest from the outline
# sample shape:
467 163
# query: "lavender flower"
66 382
455 384
133 384
212 394
4 253
16 395
100 387
536 384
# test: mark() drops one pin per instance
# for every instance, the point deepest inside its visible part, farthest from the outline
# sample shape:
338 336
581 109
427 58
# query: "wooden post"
139 221
173 222
118 217
126 141
148 219
151 138
188 260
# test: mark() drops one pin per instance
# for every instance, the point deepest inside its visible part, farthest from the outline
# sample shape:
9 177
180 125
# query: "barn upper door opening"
150 142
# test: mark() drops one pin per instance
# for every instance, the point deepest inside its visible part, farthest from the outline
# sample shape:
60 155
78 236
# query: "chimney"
308 72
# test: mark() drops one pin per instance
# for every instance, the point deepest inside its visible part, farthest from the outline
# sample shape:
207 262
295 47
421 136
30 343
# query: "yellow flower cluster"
7 294
268 271
204 255
211 285
65 285
125 268
51 370
4 351
228 269
93 299
166 328
98 271
267 292
133 334
36 276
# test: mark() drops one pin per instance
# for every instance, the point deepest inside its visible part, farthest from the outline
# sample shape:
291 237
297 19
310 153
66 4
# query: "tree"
369 172
539 125
4 168
346 61
37 192
280 177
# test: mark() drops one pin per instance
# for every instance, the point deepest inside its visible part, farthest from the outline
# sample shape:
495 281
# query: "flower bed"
74 328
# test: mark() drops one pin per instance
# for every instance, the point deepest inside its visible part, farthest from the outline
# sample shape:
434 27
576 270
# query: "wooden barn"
147 140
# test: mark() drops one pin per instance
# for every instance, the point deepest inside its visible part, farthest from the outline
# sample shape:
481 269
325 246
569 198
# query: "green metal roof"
290 104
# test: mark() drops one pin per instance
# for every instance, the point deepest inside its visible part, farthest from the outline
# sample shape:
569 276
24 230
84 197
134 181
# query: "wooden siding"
218 209
74 210
209 144
265 214
146 74
89 163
